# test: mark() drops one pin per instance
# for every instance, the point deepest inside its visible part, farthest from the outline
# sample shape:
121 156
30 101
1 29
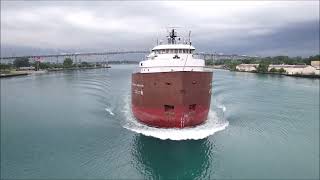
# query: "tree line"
24 62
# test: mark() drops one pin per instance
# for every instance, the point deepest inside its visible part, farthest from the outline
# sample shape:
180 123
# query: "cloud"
245 27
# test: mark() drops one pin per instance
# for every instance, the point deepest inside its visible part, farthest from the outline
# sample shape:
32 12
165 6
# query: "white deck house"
173 56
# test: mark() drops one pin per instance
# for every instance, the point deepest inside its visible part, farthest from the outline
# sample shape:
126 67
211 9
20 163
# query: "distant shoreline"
25 73
12 75
311 76
290 75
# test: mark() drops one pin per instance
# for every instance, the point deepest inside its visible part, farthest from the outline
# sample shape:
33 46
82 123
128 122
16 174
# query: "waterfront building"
295 69
290 69
247 67
315 64
26 68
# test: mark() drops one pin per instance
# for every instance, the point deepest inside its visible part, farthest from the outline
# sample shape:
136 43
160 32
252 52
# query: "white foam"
222 107
211 126
109 111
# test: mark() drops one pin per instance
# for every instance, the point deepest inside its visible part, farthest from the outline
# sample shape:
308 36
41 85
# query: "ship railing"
187 68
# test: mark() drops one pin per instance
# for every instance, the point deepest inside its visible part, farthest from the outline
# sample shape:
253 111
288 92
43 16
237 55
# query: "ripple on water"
95 86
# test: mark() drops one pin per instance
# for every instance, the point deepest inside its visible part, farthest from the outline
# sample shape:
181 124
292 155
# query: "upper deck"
173 46
174 56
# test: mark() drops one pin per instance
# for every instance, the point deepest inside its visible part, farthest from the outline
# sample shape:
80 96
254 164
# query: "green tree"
57 65
44 65
5 66
263 67
21 62
312 58
232 65
273 70
281 71
248 61
209 62
67 62
84 64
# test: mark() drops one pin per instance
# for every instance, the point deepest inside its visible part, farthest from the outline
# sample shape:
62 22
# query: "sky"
262 28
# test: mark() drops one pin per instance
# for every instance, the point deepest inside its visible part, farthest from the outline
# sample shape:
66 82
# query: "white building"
27 68
316 64
247 67
290 69
295 69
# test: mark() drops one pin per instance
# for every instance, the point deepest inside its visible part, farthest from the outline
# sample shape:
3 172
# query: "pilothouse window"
175 51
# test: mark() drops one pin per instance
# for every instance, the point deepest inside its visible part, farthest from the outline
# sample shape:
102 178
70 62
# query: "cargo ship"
172 88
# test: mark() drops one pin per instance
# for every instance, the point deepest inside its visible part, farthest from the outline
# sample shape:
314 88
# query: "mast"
172 37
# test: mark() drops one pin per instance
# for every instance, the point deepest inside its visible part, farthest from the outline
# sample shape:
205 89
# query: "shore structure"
247 67
31 70
316 64
296 69
313 69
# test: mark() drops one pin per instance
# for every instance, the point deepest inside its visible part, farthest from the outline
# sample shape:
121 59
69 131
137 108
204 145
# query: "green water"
77 124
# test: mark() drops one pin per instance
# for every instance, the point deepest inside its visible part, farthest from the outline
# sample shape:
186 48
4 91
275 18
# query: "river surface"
78 124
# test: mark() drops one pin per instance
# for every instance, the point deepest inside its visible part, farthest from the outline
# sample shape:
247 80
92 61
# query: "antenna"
188 51
173 27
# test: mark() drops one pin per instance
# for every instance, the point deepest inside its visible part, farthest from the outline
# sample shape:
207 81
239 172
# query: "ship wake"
215 122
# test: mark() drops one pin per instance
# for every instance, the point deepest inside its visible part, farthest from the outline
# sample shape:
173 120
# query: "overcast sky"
247 27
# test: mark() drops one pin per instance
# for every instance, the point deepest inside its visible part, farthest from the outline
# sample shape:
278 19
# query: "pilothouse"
174 56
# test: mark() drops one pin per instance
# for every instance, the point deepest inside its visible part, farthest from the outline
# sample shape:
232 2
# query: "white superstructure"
172 57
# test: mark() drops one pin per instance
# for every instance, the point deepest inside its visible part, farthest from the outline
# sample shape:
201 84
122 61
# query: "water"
78 124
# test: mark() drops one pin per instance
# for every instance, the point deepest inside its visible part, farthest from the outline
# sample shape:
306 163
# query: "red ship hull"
171 99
